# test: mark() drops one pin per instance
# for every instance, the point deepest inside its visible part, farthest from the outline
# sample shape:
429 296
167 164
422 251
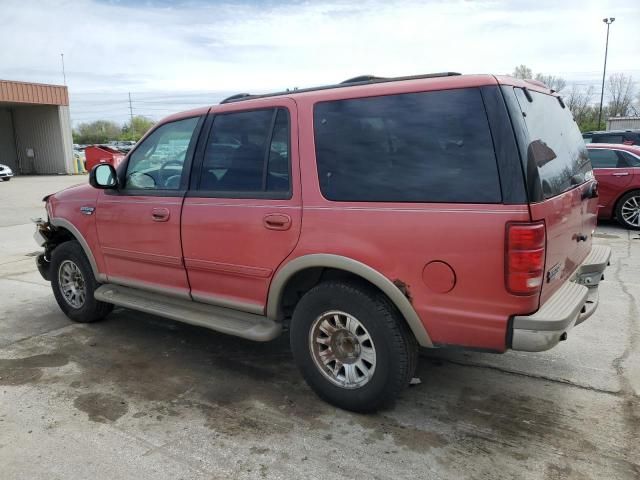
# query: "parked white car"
5 173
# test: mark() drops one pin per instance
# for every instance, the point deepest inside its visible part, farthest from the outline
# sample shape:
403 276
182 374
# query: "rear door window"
247 155
416 147
556 146
630 160
601 158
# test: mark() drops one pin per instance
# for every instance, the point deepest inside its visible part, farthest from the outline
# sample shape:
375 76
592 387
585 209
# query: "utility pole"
131 113
64 76
608 21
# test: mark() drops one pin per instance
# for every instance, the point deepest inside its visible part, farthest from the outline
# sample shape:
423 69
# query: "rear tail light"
524 257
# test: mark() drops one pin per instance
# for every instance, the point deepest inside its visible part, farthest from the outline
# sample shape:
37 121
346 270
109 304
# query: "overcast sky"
175 55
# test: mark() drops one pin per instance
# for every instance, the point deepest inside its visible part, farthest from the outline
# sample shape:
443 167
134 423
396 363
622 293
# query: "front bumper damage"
42 237
571 305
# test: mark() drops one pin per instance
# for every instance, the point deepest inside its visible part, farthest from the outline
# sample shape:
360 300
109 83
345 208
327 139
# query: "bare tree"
579 102
551 81
620 90
522 71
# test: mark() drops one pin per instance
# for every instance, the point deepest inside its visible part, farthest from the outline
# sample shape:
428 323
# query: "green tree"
136 128
100 131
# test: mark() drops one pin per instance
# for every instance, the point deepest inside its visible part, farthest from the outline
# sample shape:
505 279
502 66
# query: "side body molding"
67 225
353 266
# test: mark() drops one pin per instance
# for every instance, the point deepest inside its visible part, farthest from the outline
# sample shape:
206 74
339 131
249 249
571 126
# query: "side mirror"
103 176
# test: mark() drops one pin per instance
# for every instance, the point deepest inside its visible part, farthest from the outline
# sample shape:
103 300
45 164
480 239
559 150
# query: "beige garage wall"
44 132
8 154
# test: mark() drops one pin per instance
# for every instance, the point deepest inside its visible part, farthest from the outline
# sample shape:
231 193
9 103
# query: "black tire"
91 309
619 206
396 351
6 179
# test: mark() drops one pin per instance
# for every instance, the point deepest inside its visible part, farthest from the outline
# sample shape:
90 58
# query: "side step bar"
224 320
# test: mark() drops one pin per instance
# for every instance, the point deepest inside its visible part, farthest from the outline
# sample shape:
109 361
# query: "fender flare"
357 268
67 225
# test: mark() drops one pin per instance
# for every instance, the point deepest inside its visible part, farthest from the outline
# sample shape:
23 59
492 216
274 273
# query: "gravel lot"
142 397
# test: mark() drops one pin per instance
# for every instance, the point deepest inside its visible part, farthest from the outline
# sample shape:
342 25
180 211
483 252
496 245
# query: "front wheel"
73 284
352 346
6 179
628 210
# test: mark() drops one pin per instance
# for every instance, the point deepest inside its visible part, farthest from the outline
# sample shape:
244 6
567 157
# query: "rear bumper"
571 305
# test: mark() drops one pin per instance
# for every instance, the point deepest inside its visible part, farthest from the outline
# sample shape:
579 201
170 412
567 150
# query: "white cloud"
256 46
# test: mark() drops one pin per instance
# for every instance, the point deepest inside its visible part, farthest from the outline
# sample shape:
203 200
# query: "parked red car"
617 169
367 219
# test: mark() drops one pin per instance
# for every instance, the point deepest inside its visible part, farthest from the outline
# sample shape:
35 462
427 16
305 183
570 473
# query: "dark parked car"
626 137
617 169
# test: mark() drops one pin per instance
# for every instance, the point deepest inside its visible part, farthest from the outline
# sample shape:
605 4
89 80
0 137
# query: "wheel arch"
61 223
318 262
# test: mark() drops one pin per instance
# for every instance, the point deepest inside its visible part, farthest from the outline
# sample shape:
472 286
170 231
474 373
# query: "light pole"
608 21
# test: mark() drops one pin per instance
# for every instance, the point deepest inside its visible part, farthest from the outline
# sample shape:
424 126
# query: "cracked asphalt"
141 397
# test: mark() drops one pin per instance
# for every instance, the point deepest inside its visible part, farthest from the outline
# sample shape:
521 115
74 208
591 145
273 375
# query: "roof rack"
351 82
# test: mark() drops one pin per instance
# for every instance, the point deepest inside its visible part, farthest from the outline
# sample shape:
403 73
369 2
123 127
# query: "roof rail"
237 96
362 78
352 82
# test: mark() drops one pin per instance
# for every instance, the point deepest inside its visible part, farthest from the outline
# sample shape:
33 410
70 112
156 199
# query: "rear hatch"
560 182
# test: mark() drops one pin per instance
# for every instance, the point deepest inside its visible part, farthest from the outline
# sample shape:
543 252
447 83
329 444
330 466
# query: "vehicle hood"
75 193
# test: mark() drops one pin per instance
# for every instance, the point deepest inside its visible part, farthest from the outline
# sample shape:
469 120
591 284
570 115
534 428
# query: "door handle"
277 221
160 214
621 174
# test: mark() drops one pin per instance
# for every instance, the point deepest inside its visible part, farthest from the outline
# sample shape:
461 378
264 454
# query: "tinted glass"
630 160
555 145
248 152
601 158
157 163
608 138
418 147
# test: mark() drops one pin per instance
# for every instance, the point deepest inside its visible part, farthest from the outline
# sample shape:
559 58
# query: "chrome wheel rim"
72 284
631 211
342 349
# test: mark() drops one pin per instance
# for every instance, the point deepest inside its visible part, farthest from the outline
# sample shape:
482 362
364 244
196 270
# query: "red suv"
617 169
367 219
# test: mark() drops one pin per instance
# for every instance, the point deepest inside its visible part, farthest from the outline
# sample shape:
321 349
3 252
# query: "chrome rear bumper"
571 305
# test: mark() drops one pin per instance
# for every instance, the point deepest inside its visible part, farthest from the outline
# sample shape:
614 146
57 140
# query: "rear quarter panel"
398 240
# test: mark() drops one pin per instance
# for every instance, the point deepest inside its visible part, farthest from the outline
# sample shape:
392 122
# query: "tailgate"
560 182
570 219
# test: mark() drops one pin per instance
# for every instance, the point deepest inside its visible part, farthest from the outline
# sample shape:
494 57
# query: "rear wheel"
628 210
352 346
73 284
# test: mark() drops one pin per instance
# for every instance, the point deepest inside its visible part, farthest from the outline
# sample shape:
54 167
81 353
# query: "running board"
224 320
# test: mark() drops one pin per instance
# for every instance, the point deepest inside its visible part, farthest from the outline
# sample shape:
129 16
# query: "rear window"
556 146
417 147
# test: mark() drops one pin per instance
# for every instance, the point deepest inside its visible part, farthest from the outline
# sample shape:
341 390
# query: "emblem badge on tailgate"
553 272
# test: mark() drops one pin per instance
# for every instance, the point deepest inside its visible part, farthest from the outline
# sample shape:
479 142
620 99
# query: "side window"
609 139
248 155
416 147
601 158
630 160
158 162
